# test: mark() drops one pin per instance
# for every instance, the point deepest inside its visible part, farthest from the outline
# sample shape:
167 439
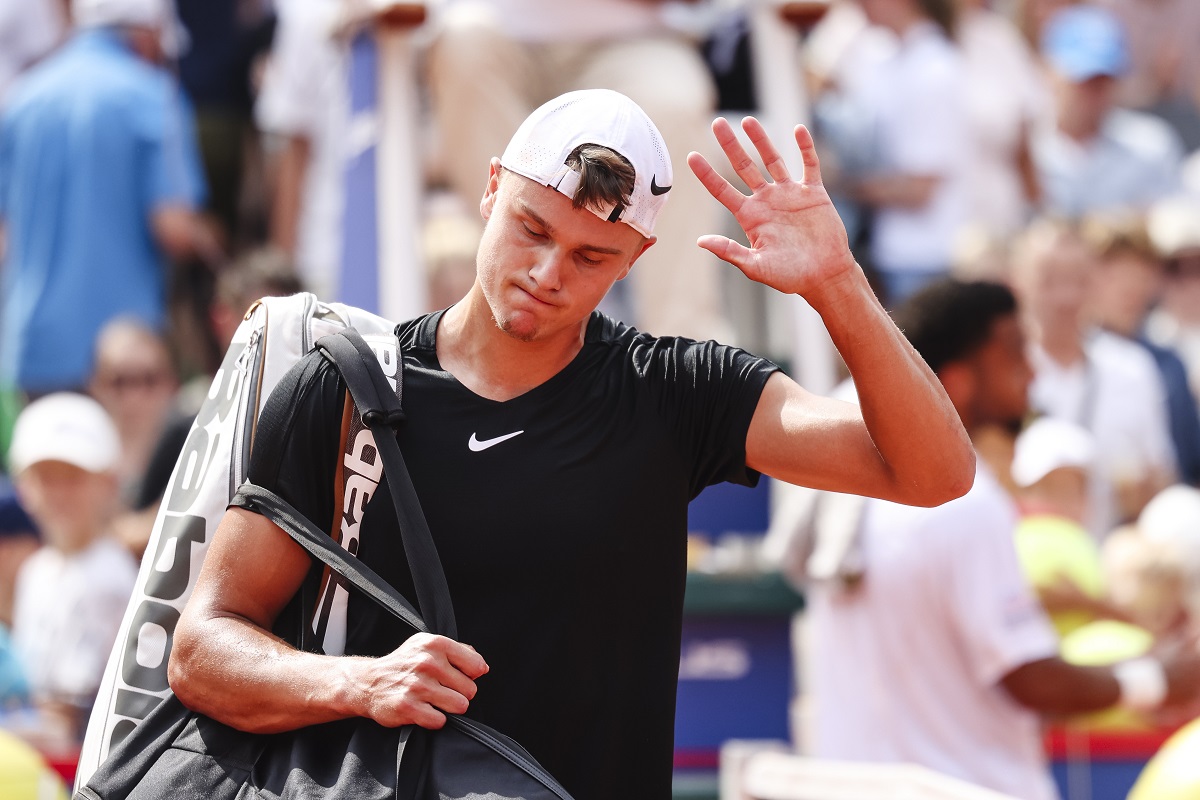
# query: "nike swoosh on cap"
655 189
478 445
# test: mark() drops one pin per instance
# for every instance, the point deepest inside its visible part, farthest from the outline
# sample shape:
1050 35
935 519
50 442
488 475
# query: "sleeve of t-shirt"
708 392
995 611
297 442
172 174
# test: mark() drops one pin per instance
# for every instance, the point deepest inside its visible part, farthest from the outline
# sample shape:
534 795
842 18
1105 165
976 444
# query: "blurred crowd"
163 164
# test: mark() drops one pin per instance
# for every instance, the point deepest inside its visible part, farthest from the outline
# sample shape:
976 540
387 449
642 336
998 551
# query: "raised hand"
797 240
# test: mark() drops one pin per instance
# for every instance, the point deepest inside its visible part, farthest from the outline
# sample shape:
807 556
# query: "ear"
488 202
645 246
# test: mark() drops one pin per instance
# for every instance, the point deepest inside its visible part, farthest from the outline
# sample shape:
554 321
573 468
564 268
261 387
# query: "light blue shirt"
92 141
1134 161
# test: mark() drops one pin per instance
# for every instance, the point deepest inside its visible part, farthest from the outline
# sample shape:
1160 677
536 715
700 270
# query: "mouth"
534 297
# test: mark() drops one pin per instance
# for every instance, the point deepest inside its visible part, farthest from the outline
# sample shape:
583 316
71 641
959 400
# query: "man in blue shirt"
99 178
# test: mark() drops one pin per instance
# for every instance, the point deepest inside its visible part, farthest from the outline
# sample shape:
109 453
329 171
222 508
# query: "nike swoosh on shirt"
478 445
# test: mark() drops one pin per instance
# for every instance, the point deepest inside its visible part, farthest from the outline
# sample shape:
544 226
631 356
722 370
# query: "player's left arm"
904 442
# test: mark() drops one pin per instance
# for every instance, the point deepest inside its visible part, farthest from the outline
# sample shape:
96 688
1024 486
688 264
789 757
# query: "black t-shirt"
560 517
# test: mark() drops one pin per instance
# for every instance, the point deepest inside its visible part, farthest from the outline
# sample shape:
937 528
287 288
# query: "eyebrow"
594 248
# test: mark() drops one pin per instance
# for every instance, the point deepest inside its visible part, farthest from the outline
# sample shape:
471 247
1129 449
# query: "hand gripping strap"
381 411
323 548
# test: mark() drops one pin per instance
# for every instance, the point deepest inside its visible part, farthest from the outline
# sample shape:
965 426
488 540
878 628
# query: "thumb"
725 249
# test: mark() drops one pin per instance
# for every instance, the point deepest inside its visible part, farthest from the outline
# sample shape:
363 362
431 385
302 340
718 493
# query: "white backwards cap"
540 147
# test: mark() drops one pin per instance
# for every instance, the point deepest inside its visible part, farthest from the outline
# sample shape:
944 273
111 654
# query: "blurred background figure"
302 109
493 61
1129 282
908 89
1164 62
1007 97
99 185
24 773
134 380
1174 228
450 241
1099 381
262 272
29 29
936 650
72 592
1094 155
225 40
1051 470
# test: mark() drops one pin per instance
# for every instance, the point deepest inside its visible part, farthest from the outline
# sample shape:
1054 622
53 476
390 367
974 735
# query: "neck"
1082 131
492 363
1063 343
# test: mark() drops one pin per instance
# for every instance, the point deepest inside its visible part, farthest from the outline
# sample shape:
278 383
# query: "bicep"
810 440
251 571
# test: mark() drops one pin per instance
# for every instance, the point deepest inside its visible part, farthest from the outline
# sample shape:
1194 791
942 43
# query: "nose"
547 270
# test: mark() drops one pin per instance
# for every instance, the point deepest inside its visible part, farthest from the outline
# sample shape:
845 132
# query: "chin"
518 331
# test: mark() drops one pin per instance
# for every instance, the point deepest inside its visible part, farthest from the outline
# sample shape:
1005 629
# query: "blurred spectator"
14 686
911 96
71 593
1095 156
1164 62
255 274
1007 96
1051 470
135 381
303 104
494 61
939 653
1031 16
18 540
29 29
225 37
1172 517
450 241
1129 281
26 774
1174 227
98 185
1095 379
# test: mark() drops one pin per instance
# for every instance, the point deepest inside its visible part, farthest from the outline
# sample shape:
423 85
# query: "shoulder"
419 333
1143 135
674 358
1122 359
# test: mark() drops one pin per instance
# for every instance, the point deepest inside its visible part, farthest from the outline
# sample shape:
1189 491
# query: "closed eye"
533 234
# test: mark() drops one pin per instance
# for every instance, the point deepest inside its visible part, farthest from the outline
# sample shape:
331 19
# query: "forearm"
913 425
1053 686
238 674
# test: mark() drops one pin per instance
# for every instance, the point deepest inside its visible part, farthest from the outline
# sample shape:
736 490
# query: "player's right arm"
226 663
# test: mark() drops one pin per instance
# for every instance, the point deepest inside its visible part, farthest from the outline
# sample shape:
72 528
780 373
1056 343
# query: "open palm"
797 240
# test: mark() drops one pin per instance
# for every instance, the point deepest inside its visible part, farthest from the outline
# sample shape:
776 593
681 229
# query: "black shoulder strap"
381 411
322 547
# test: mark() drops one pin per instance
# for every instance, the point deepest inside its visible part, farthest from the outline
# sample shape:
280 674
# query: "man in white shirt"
1094 379
925 644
